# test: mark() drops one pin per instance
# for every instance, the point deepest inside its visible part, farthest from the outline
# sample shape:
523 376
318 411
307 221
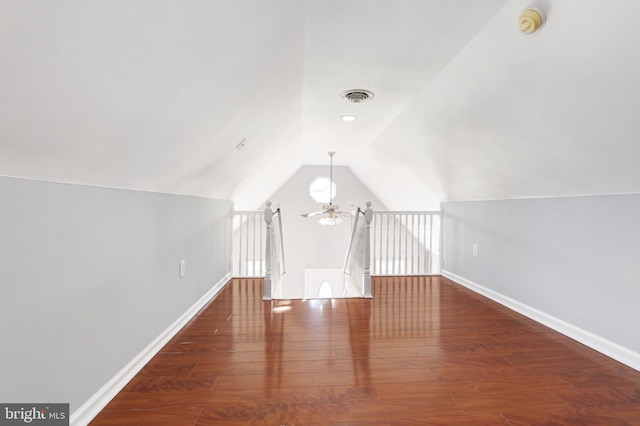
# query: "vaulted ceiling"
156 94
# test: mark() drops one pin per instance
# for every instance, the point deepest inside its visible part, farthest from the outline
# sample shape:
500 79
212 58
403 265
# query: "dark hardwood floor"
423 351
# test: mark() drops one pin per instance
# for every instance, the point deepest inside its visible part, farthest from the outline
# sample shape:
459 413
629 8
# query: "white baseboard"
600 344
92 407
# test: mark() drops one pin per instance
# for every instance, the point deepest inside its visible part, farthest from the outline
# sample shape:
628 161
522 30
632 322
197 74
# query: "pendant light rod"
331 154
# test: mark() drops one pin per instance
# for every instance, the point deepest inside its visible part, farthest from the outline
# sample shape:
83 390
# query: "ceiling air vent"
357 96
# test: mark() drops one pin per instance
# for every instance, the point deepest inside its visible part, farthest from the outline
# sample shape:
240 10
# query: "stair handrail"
365 262
271 264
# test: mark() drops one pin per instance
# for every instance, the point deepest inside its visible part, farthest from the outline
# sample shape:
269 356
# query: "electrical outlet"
475 250
183 268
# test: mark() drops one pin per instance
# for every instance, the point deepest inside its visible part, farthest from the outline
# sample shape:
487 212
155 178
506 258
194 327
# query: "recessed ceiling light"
349 117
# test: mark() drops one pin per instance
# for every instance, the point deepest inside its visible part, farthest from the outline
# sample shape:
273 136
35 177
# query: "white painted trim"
600 344
92 407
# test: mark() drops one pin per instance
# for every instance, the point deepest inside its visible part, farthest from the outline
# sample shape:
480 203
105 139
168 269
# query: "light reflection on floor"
329 283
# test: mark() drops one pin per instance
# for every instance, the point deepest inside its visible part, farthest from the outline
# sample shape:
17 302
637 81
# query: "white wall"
572 262
90 278
307 243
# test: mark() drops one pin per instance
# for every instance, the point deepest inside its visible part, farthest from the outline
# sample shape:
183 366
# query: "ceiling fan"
330 213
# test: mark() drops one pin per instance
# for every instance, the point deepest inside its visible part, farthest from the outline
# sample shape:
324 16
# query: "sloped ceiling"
155 95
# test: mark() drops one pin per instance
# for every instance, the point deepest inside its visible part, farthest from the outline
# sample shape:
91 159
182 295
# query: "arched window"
325 291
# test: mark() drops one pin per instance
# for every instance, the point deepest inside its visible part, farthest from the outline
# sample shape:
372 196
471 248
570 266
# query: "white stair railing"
357 265
406 243
249 237
275 265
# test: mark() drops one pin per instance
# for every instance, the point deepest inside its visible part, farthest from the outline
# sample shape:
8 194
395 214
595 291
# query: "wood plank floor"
423 351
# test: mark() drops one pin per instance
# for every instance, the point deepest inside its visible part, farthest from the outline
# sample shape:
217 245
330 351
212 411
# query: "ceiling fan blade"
313 214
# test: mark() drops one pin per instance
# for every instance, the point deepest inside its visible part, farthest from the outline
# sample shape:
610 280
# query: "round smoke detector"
357 96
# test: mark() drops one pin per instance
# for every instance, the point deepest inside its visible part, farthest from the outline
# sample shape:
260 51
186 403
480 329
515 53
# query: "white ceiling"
156 94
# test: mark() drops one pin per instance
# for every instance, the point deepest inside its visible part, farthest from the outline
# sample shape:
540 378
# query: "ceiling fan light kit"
328 220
